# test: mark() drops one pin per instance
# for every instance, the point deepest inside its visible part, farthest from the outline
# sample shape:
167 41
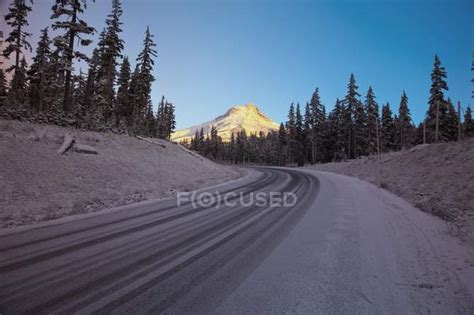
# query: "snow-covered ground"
38 184
436 178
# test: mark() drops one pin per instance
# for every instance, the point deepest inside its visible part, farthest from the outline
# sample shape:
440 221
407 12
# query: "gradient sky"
216 54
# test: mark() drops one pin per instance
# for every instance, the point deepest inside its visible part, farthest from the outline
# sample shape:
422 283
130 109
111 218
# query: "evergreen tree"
450 122
18 89
351 101
145 79
282 143
338 132
124 110
404 126
468 124
111 46
74 28
3 87
308 134
437 103
299 129
290 127
387 130
17 39
317 121
372 109
360 130
39 76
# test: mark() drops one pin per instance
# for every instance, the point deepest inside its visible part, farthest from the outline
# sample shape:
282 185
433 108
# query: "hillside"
248 117
38 184
436 178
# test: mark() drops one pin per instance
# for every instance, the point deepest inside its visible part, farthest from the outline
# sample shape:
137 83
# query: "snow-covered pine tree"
307 123
66 15
145 78
17 39
468 124
350 102
3 88
387 130
449 124
317 121
360 129
111 46
437 104
282 143
372 109
39 74
299 130
18 91
161 119
404 124
124 109
170 120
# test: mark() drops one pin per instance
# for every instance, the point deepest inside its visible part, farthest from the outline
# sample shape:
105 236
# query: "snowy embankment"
436 178
38 183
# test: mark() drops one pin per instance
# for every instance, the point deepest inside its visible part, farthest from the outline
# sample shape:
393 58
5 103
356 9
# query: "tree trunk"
67 86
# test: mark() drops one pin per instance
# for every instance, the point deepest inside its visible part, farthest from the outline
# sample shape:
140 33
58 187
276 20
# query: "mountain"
247 117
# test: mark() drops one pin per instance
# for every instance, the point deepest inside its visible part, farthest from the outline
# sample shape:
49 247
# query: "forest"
110 96
354 127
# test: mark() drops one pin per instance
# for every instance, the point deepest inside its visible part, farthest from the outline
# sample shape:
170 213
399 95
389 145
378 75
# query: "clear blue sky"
215 54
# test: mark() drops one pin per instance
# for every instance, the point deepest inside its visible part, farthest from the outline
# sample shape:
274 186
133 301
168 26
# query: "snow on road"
361 249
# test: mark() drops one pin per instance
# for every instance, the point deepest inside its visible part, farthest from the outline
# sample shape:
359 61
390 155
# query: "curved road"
344 247
149 257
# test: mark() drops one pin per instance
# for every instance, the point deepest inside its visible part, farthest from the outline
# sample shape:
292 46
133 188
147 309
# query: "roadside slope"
37 184
436 178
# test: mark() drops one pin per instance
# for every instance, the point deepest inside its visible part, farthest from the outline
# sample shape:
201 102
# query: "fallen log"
67 143
86 149
152 142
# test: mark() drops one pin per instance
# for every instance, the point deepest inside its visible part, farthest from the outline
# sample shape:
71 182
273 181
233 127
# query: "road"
345 246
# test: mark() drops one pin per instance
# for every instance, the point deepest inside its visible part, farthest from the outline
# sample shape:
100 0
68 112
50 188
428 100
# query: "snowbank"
38 184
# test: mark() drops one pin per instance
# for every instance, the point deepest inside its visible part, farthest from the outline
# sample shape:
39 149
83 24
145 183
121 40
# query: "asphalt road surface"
338 249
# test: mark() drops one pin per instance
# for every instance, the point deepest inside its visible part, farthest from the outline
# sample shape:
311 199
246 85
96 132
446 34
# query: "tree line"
109 96
354 127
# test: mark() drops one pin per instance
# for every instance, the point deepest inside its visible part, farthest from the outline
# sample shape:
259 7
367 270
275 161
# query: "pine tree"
18 88
282 137
360 130
437 103
111 46
372 109
350 102
317 121
74 28
404 126
299 129
308 133
17 39
338 132
39 75
450 122
387 132
3 88
145 79
170 120
468 124
290 127
124 110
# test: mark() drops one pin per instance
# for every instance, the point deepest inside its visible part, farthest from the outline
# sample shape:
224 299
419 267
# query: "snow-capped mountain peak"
248 117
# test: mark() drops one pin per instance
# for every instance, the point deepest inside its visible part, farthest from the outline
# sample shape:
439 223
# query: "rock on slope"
436 178
37 184
247 117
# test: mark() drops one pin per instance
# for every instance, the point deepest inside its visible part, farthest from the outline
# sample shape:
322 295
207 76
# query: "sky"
214 54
